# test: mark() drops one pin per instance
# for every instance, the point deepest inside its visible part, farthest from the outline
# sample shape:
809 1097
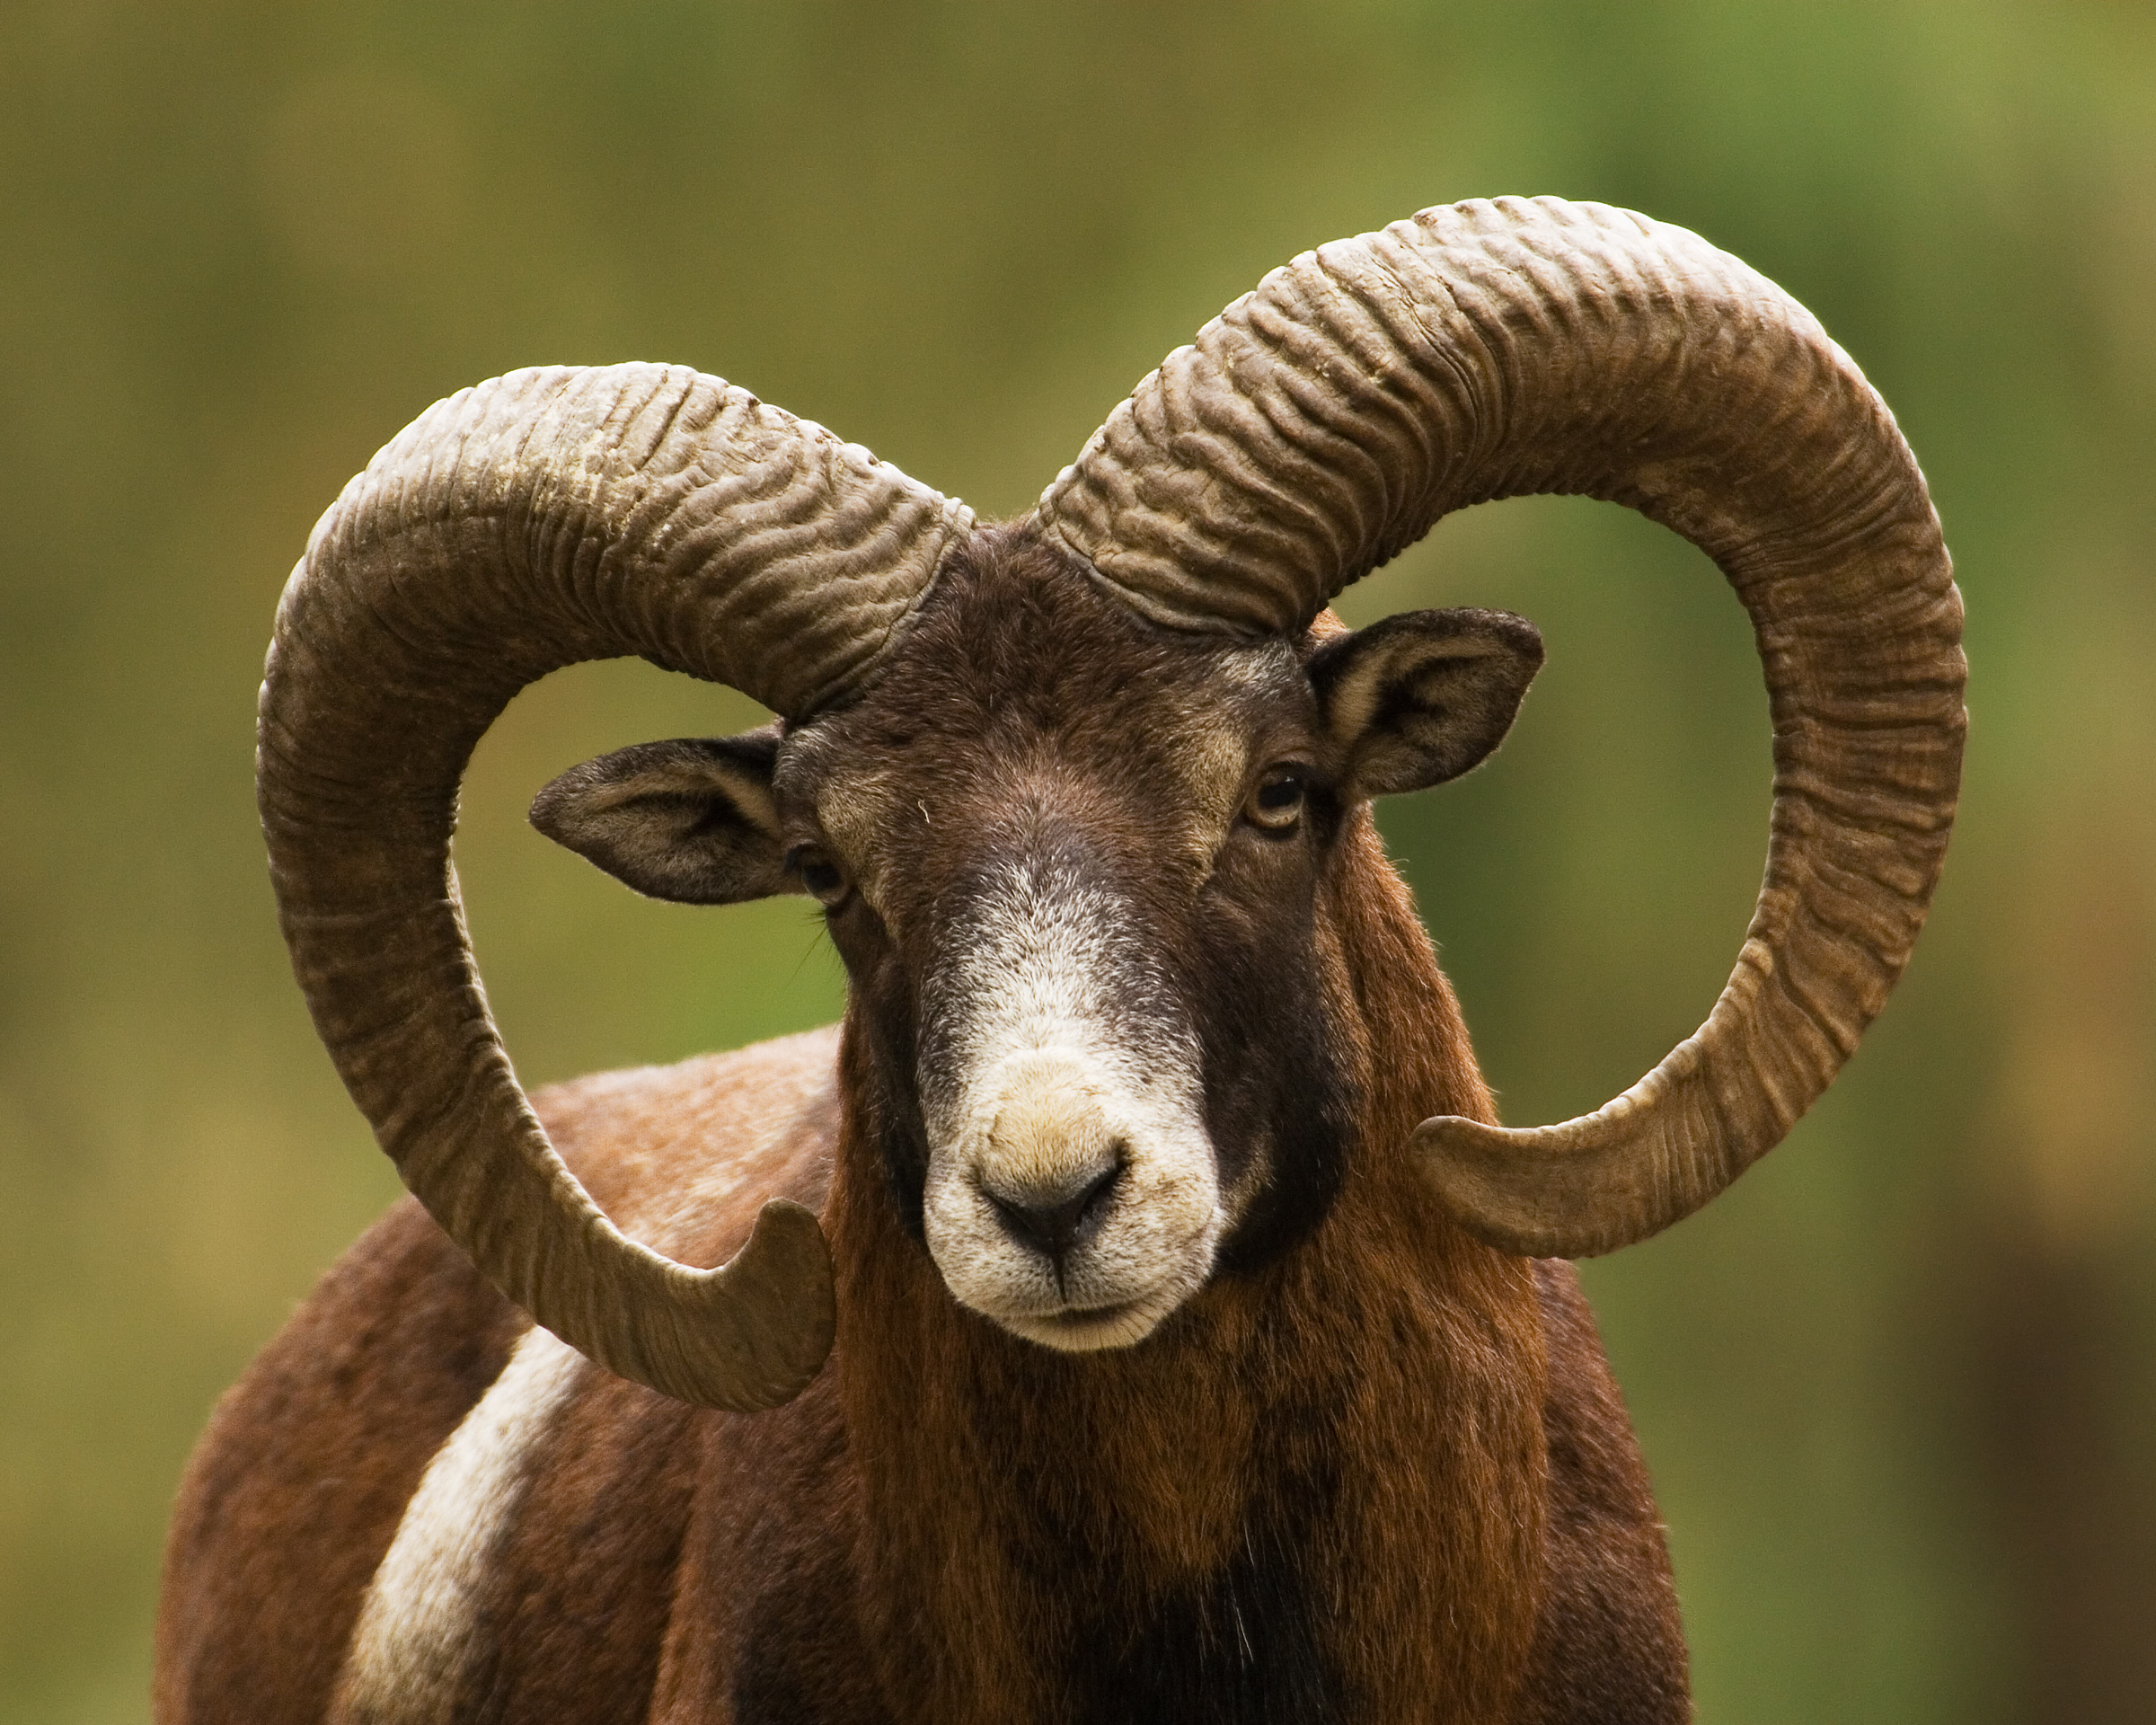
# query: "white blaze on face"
1060 1058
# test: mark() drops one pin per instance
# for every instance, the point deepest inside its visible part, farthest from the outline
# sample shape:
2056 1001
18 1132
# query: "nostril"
1051 1221
1096 1194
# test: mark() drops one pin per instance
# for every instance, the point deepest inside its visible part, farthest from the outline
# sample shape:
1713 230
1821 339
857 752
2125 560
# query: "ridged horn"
1488 350
541 520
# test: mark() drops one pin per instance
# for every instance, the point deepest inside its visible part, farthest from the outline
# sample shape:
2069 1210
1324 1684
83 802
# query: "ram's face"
1072 863
1075 865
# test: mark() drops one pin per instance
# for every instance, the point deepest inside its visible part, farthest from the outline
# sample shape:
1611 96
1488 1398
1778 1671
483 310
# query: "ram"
1132 1311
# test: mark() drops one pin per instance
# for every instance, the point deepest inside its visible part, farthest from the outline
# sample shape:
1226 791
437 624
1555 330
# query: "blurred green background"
1897 1387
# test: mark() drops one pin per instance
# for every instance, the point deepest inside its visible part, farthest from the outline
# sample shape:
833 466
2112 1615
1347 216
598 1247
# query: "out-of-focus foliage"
1896 1387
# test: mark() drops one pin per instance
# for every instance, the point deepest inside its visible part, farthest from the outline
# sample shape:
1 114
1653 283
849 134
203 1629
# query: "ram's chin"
1093 1328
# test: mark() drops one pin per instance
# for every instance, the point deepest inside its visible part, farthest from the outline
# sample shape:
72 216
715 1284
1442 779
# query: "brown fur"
667 1560
1392 1339
1372 1471
1604 1646
296 1489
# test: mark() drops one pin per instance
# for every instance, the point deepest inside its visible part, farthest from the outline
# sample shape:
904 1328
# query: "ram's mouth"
1084 1330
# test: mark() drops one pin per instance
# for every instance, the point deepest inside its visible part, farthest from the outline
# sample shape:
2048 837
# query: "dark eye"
1275 801
823 878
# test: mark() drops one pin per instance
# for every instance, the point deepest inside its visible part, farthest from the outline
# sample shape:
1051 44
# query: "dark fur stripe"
1238 1649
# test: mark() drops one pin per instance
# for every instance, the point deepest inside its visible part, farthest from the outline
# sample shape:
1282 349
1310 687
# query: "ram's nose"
1053 1221
1051 1158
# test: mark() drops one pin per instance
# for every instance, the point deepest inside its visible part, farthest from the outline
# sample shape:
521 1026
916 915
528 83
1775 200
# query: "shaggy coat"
1371 1471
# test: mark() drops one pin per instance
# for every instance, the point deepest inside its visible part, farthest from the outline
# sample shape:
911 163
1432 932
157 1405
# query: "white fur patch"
1065 1058
417 1630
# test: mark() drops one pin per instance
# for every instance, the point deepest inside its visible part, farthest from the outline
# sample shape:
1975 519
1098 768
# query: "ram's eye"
822 878
1275 801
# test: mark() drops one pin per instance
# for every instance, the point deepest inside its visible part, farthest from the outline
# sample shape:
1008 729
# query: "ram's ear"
692 820
1423 696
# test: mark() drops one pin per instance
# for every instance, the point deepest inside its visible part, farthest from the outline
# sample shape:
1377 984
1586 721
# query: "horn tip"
1496 1182
784 1270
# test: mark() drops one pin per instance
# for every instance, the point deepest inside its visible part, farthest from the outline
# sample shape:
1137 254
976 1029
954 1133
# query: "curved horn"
1324 422
531 522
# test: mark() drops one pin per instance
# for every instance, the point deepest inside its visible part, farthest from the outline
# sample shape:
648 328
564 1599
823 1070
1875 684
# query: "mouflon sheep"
1132 1312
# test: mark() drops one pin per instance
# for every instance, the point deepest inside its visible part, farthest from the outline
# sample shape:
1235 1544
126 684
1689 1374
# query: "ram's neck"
1315 1494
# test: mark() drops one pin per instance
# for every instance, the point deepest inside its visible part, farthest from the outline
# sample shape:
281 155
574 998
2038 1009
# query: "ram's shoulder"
681 1157
1609 1642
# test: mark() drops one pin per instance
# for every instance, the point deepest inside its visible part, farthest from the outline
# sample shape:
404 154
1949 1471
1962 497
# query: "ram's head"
1079 868
1074 790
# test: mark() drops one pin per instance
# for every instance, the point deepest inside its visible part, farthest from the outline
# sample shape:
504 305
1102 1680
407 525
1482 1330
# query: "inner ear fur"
691 819
1422 696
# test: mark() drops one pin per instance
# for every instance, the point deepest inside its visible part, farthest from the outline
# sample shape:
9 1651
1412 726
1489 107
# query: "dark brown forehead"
1022 676
1015 639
